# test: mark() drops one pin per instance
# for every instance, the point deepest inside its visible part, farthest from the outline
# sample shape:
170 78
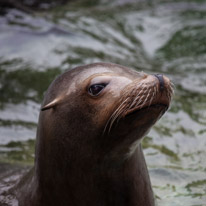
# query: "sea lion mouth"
162 107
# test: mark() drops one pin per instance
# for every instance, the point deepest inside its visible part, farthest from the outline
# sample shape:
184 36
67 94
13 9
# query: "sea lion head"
101 108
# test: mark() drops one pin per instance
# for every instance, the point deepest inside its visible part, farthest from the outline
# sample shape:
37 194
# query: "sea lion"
88 148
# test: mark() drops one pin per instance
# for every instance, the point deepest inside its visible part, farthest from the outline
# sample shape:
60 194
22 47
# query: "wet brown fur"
83 142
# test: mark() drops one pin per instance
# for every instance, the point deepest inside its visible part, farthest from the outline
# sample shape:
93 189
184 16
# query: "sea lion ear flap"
50 105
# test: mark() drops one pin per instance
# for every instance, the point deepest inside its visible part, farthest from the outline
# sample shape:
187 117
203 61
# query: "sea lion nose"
161 80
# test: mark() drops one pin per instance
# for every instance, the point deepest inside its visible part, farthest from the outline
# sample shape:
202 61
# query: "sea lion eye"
95 89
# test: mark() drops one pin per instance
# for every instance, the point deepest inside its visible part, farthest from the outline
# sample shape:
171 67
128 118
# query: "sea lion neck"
87 173
110 183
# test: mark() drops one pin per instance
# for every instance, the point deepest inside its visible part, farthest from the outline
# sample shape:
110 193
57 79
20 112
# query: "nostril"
161 80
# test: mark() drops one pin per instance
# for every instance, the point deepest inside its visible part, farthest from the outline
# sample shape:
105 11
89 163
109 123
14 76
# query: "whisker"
113 120
114 114
134 101
138 103
150 102
145 101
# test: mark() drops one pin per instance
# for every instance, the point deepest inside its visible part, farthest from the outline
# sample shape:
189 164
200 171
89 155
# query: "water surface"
166 37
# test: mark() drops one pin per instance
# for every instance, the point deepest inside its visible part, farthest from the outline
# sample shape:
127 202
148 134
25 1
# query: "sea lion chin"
88 149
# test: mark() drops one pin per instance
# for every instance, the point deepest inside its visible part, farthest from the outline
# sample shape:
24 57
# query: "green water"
166 37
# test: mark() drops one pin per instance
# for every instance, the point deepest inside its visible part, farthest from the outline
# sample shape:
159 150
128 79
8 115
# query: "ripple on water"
168 37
